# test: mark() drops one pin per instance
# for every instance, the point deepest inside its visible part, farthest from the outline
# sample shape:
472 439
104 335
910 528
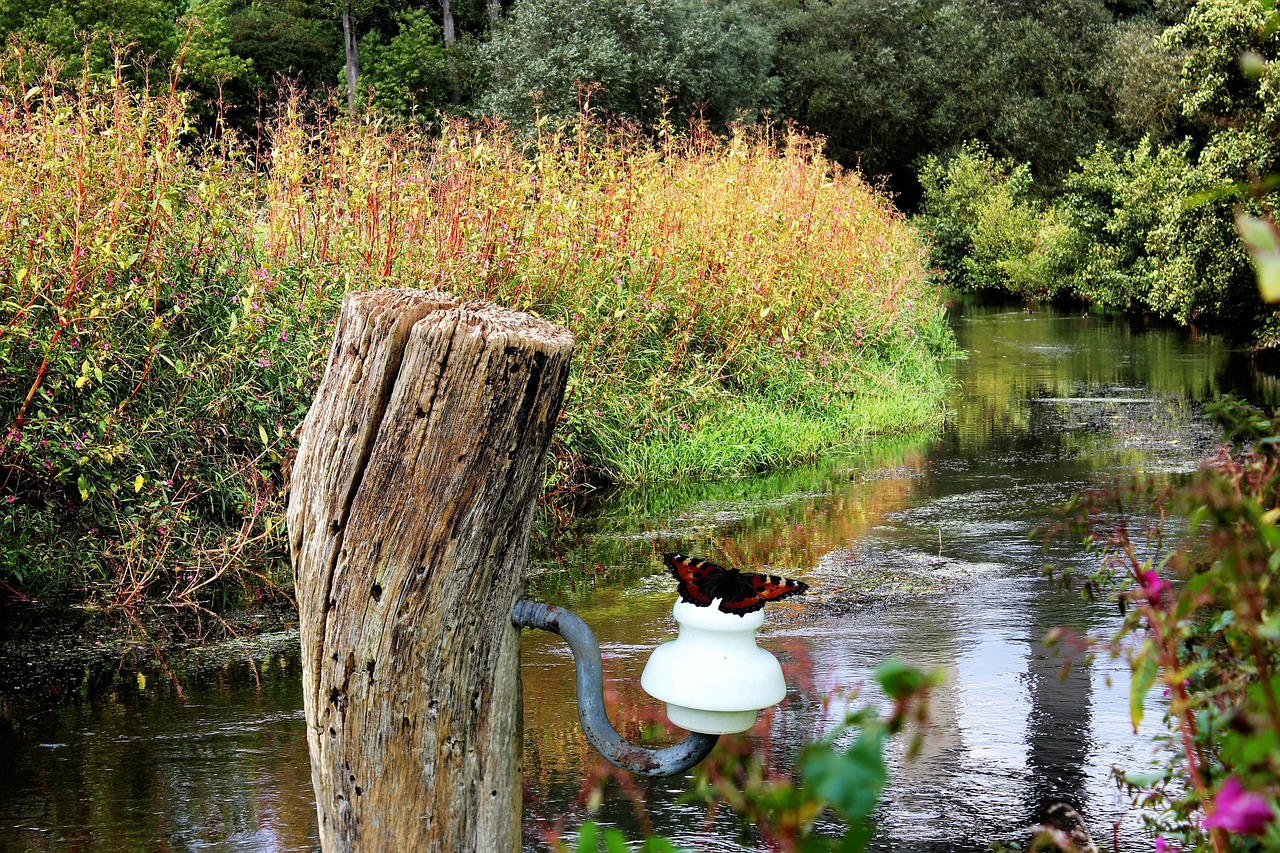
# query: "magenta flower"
1163 846
1151 584
1239 811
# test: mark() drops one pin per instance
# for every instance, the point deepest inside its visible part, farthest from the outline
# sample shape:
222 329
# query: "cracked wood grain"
409 513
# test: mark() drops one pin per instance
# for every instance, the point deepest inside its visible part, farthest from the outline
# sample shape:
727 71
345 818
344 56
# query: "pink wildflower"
1163 846
1239 811
1151 584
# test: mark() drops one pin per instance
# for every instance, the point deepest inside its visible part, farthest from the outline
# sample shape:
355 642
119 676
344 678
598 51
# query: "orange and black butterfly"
701 582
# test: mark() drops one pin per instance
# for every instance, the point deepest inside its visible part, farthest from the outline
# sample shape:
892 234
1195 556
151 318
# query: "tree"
208 63
284 39
640 58
850 70
151 36
1144 77
84 32
351 66
1022 78
408 74
450 39
890 82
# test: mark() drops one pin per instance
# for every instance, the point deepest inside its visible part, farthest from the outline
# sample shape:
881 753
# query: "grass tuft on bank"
168 302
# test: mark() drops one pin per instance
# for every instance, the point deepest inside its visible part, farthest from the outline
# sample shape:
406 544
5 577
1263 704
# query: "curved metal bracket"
589 672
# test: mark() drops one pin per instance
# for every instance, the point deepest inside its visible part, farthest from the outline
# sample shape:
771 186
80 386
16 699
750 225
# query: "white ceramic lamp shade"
713 676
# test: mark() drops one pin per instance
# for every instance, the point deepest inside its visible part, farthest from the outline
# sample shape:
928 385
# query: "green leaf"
1225 619
588 839
1263 242
1145 670
1146 780
1232 190
83 485
614 841
900 680
1253 64
850 781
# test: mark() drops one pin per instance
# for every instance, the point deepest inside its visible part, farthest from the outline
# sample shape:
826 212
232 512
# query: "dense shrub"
987 229
640 60
1148 229
407 73
166 309
1126 233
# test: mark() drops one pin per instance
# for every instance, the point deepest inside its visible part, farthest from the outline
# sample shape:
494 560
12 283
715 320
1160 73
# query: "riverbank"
738 305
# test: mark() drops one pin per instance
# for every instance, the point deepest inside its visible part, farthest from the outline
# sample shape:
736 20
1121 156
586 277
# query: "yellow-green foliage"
167 305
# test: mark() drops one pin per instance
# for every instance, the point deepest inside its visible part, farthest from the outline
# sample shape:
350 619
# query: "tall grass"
738 305
168 302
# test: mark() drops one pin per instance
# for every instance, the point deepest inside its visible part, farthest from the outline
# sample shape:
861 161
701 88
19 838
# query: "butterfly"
701 582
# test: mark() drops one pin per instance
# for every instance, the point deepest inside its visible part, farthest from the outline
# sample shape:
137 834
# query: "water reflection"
924 553
223 768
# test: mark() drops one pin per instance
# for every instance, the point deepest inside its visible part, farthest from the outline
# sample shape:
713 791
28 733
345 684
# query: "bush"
986 229
1126 233
167 310
1149 229
641 60
408 74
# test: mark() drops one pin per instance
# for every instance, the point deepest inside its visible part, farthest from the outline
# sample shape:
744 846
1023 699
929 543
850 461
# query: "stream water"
916 550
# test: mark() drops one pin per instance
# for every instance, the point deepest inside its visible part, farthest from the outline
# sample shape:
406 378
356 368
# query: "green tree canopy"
700 55
407 73
80 31
888 82
86 35
298 40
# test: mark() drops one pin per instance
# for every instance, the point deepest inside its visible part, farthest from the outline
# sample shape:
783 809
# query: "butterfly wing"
755 589
695 578
701 582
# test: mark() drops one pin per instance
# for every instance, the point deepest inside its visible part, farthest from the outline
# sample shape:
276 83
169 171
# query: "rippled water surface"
919 551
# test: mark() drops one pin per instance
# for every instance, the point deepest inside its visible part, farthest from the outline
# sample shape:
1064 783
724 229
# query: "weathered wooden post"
409 512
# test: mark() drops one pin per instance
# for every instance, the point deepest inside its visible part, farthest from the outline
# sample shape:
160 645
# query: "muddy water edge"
143 735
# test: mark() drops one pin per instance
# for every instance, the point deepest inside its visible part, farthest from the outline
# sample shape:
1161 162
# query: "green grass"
742 433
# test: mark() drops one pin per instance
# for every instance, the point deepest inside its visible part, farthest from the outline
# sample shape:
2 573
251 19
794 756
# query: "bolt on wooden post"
409 511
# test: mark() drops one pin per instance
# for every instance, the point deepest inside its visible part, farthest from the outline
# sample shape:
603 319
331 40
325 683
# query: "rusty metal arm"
589 670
